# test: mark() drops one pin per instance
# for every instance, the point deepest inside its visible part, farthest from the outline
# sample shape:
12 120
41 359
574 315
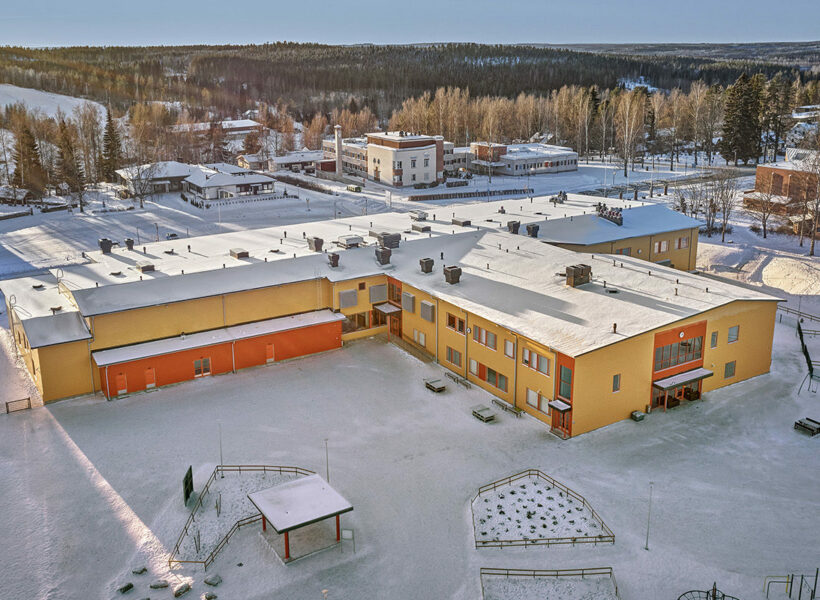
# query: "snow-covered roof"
160 170
517 152
299 502
34 300
590 229
224 167
205 178
400 136
216 336
227 125
298 157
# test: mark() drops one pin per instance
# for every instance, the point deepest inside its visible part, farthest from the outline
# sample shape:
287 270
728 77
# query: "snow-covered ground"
551 588
88 484
47 103
531 509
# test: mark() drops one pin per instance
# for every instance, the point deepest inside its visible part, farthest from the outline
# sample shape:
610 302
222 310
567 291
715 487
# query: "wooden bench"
459 380
435 385
484 413
807 425
508 407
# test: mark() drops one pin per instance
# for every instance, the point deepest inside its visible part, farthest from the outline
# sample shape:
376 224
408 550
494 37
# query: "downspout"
233 357
437 320
224 319
466 357
515 372
90 358
107 388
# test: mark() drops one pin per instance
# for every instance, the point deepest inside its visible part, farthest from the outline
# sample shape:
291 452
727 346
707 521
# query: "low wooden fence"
554 573
606 537
219 470
19 404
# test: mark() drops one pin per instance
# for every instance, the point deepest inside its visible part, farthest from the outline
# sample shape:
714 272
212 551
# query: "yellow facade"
414 328
66 370
645 248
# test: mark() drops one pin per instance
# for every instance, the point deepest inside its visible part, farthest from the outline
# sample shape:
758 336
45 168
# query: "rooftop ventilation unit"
350 241
578 275
389 240
418 215
315 244
512 226
532 229
56 309
462 222
614 215
420 227
383 255
38 286
239 253
144 266
129 243
452 275
426 265
105 245
333 258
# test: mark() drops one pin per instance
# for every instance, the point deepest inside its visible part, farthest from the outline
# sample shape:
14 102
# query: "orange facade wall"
175 368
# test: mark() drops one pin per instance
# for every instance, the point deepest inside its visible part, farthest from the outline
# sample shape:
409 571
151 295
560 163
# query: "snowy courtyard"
92 489
565 587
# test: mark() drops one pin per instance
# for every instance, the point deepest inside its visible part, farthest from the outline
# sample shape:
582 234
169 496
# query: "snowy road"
88 482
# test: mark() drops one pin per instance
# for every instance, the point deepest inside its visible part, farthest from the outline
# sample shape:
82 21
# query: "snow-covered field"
549 588
531 509
88 484
45 102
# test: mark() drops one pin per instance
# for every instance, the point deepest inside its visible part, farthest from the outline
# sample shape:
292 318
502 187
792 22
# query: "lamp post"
648 515
327 464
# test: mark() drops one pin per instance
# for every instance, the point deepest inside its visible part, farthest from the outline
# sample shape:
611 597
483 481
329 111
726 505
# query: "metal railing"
555 573
219 470
798 313
606 537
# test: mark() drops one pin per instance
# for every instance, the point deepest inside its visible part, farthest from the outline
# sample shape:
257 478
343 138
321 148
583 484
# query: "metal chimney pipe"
337 134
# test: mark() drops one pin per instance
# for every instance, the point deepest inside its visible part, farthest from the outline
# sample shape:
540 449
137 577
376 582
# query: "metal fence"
606 537
219 470
547 573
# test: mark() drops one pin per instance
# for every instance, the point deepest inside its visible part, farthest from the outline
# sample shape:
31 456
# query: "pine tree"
741 121
112 149
28 169
69 169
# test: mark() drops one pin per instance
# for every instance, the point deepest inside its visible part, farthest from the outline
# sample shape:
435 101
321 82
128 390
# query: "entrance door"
560 422
150 378
121 384
395 324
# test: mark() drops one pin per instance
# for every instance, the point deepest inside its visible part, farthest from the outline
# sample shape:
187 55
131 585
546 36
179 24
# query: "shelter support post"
264 523
665 399
338 531
287 546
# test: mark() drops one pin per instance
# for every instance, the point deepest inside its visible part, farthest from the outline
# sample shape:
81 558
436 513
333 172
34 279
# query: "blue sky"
135 22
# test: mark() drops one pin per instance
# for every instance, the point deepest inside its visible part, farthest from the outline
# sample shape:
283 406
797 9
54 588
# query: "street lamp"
648 515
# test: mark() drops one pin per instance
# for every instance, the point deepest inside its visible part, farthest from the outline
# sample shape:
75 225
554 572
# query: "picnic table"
435 385
808 425
484 413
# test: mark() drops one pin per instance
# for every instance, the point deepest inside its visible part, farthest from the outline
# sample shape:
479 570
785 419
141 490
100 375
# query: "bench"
459 380
483 413
434 385
807 425
508 407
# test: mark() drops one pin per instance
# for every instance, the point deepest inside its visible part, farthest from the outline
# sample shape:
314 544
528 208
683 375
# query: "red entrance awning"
680 379
387 308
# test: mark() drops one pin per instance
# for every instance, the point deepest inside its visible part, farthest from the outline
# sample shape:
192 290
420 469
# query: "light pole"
648 515
327 464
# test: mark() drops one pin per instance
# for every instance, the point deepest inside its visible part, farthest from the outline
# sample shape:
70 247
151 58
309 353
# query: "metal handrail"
604 538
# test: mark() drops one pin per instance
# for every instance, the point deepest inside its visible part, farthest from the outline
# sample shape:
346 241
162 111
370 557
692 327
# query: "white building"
220 181
296 161
522 159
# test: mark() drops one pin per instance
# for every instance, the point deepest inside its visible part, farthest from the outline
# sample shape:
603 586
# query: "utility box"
315 244
532 229
638 415
239 253
462 222
333 259
383 255
389 240
513 226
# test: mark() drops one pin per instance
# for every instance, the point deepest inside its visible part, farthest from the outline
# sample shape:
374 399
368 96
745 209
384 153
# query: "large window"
536 361
683 242
678 353
509 348
356 322
453 356
394 292
489 375
729 370
565 383
484 337
734 334
202 367
455 323
661 247
537 401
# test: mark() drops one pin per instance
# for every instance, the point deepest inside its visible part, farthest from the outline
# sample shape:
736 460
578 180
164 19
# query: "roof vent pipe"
333 258
383 255
426 265
452 275
614 328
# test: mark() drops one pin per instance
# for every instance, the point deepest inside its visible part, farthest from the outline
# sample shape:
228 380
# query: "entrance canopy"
387 308
300 502
559 405
682 379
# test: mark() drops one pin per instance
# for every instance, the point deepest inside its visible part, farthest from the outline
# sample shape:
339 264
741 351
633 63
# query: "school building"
578 340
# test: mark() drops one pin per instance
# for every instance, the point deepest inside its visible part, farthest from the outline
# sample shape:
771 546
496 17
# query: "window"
537 401
202 367
413 177
678 353
616 382
543 365
661 247
361 285
426 162
473 366
714 339
453 357
683 243
729 370
356 322
565 384
734 334
412 163
509 349
484 337
394 292
419 337
624 251
536 361
489 375
455 323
